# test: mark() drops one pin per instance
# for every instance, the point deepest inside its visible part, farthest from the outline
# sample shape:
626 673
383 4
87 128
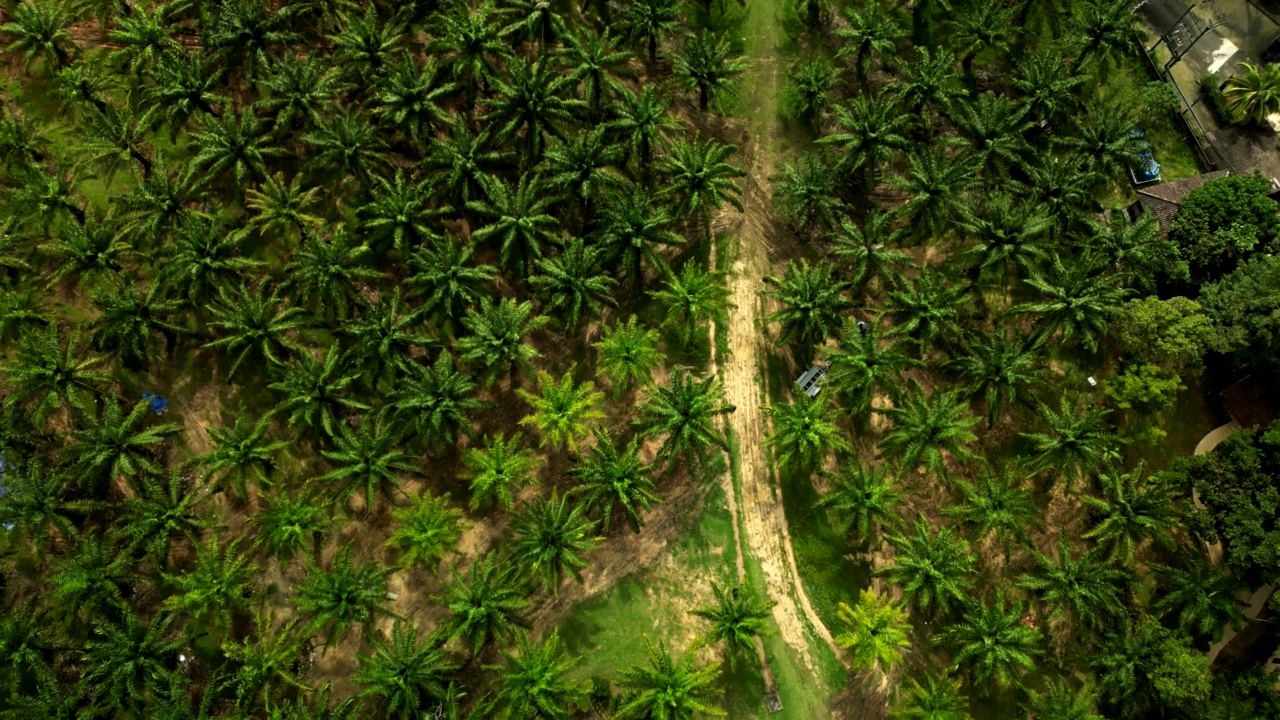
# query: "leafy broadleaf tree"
496 469
684 415
404 674
1199 595
877 632
668 687
612 479
343 594
933 568
737 618
486 606
551 536
426 531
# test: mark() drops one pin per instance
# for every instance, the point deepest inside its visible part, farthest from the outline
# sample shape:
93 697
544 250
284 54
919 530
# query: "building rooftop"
1164 199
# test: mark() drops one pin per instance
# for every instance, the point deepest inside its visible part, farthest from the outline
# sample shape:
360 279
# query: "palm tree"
869 130
254 321
812 300
993 643
87 250
927 309
1007 236
1103 139
343 594
247 31
263 666
805 432
627 353
581 168
563 410
24 642
398 213
937 185
242 453
1049 88
994 130
737 618
300 90
933 568
201 259
1131 509
671 688
595 61
610 478
693 298
347 145
218 587
1065 190
535 682
284 209
634 225
123 662
49 373
925 427
402 674
426 531
435 400
498 336
998 368
877 632
521 221
37 502
366 46
934 699
287 524
811 91
705 64
550 538
931 83
1137 251
1079 302
496 469
872 249
1077 442
367 458
91 581
534 101
700 179
187 86
1106 26
574 281
1085 588
410 98
40 33
996 505
487 605
864 500
143 39
461 165
685 414
1199 595
871 32
383 337
116 444
805 193
649 20
161 511
316 393
234 143
1254 93
470 41
1063 703
444 275
978 28
640 120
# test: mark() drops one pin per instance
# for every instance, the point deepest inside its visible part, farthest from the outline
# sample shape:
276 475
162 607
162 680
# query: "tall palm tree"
383 337
1131 510
863 499
117 444
640 120
161 511
870 130
40 33
1065 190
563 410
1106 27
520 221
497 469
931 84
980 27
627 353
247 32
436 401
217 588
125 661
284 209
399 212
202 258
1104 140
461 166
934 699
934 568
255 322
535 682
1254 93
487 605
498 336
1060 702
877 632
997 505
863 364
235 144
551 536
1007 234
368 458
998 369
649 20
684 413
1137 251
1078 301
1086 588
187 87
343 594
693 298
737 618
706 64
264 667
288 523
574 281
347 145
426 531
927 309
805 432
582 168
1078 440
871 32
444 275
91 581
49 372
1200 596
812 299
86 251
365 46
700 178
404 675
1050 90
471 43
634 226
611 478
993 643
994 129
39 505
314 394
805 193
926 427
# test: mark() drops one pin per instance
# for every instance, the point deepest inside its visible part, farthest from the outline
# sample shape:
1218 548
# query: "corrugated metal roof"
1163 200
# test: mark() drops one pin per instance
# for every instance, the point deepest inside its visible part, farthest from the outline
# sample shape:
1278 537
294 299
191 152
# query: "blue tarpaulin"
157 403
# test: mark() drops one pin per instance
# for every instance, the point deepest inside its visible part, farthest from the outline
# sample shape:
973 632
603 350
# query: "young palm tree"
933 568
470 41
535 682
700 179
805 194
343 594
367 458
934 699
812 300
487 605
563 410
1254 93
264 666
117 444
1060 702
404 676
705 64
997 505
521 221
160 512
595 61
88 251
872 31
685 414
927 309
435 401
998 369
532 102
187 87
649 20
242 454
1132 509
926 427
1078 440
316 393
40 33
218 587
737 618
930 84
993 643
445 277
611 479
627 353
811 91
1200 596
1085 588
497 469
124 662
693 298
49 373
574 281
805 432
937 185
634 226
640 121
551 536
673 688
287 524
498 336
426 531
255 321
877 632
864 500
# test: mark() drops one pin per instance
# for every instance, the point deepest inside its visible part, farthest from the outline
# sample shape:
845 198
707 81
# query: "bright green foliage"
398 213
1242 308
497 469
486 606
934 699
811 91
628 353
367 458
684 414
160 511
877 632
218 586
993 643
871 31
692 299
1170 333
1199 595
1060 702
937 184
669 688
91 581
635 225
125 661
804 193
1078 301
50 373
934 567
343 594
551 536
426 531
737 619
582 168
463 165
536 683
437 401
315 393
531 102
563 411
927 309
116 444
470 42
611 478
266 668
926 427
38 502
996 504
701 179
805 432
643 120
994 128
811 299
404 676
649 20
285 208
1086 588
862 499
520 221
870 130
1078 441
999 368
594 61
1254 93
1131 509
40 33
288 524
863 364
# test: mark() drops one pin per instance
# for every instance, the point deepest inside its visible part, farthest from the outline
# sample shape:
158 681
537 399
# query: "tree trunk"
703 99
653 48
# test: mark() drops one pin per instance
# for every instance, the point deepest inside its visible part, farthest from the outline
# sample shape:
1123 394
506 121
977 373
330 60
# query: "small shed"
811 381
1163 200
1254 401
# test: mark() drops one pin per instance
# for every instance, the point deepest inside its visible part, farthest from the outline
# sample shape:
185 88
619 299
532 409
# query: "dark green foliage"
343 594
487 604
1223 222
1242 307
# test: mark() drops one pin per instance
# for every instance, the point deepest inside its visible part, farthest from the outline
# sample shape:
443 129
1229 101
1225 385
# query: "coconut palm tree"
925 427
1130 510
934 568
672 688
426 531
520 221
255 322
1078 440
805 432
1254 92
1078 300
595 61
993 643
706 64
872 32
217 588
684 413
649 20
877 632
49 373
700 179
116 444
445 277
496 469
627 353
403 675
937 698
870 130
343 594
737 618
435 402
367 458
563 410
574 281
470 41
487 605
693 298
123 662
498 338
551 536
805 193
535 682
863 499
40 33
1085 588
316 393
633 227
1199 596
811 91
998 368
812 300
288 523
612 478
